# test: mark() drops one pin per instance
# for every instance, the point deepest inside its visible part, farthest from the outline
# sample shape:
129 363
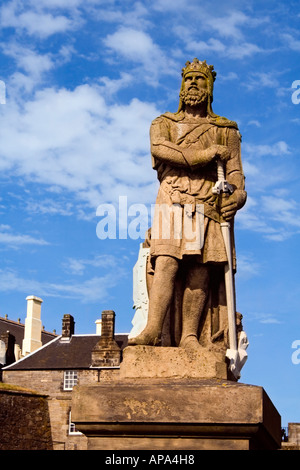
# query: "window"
72 429
70 379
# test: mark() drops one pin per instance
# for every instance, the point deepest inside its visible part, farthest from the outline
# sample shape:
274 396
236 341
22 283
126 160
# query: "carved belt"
210 211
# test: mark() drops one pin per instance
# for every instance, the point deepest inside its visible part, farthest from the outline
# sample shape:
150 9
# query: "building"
291 440
65 361
62 362
18 339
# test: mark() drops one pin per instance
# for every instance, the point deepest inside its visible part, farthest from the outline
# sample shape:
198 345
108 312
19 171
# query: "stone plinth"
142 362
182 414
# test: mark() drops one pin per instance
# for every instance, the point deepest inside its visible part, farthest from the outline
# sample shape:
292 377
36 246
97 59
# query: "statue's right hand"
220 151
196 157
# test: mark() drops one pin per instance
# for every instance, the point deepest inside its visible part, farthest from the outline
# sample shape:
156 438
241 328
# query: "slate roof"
61 354
17 330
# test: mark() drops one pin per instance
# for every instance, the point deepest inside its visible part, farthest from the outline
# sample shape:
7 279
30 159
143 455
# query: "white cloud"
257 80
281 209
78 266
254 122
132 14
132 44
251 220
263 317
214 30
229 76
259 150
230 25
33 22
291 42
232 50
74 140
247 267
14 240
139 48
275 217
31 66
112 86
30 61
211 45
50 207
64 4
242 50
90 290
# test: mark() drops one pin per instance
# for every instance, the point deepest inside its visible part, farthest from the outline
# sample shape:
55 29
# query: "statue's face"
195 80
195 89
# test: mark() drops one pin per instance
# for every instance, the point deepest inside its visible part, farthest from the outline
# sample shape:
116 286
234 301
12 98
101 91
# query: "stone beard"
193 97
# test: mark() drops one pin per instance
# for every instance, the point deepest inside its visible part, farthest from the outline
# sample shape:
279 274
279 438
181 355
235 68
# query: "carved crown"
198 66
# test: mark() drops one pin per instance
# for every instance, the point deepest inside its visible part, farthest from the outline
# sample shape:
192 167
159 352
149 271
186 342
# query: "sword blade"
229 286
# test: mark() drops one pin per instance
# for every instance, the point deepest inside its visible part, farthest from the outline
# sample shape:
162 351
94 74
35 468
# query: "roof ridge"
12 321
32 353
97 334
17 323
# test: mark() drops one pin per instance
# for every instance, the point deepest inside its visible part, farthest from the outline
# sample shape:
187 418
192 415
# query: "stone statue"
185 275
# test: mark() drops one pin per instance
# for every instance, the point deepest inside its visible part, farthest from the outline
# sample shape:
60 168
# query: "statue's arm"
234 176
234 169
163 150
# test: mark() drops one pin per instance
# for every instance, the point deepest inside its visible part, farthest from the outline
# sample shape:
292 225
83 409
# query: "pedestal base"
140 362
168 414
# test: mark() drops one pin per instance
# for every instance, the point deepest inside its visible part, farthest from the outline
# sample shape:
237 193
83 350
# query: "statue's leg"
159 300
194 298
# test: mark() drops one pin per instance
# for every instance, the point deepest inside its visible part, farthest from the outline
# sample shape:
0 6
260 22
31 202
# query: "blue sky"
83 81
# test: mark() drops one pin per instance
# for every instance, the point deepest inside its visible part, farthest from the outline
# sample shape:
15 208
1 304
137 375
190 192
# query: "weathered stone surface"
24 420
292 441
185 414
156 362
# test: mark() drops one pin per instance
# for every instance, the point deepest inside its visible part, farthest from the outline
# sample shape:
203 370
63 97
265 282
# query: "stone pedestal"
144 362
141 411
176 415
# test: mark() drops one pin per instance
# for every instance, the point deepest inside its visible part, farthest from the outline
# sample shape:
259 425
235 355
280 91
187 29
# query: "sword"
222 186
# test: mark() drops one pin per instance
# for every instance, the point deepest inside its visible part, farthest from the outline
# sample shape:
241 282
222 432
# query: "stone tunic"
181 184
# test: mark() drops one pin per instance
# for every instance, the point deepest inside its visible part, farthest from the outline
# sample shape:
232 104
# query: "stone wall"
293 441
24 420
50 382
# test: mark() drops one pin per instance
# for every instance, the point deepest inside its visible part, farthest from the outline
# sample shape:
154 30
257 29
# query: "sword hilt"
221 186
220 170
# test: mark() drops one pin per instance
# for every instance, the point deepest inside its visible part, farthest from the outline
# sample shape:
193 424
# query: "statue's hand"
220 151
232 203
196 157
229 206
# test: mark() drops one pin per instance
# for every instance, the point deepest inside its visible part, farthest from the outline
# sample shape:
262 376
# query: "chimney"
33 325
9 344
107 353
98 327
68 326
108 324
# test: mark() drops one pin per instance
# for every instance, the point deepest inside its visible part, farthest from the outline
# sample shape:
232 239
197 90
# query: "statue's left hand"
232 203
229 206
